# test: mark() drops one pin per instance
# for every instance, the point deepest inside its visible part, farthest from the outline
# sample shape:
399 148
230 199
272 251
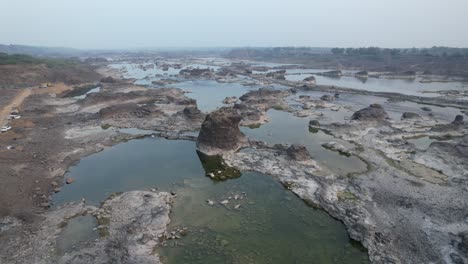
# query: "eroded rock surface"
255 104
298 153
220 132
374 112
131 226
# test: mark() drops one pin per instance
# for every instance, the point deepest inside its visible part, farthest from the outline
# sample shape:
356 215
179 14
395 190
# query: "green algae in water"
422 143
286 128
215 166
76 231
271 225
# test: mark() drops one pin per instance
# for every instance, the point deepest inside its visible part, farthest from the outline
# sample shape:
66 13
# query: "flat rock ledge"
131 226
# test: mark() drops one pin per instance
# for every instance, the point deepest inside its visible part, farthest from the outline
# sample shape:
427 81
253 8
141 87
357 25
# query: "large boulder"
298 153
220 132
108 79
328 97
309 82
374 112
458 120
192 112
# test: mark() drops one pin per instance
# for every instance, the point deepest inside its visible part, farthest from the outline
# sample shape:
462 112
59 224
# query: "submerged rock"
298 152
220 132
409 115
374 112
427 109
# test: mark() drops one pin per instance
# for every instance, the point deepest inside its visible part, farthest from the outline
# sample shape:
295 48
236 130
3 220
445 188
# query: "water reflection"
267 225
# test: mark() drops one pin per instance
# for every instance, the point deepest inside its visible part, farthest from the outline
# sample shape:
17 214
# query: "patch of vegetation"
216 168
63 224
19 59
79 90
312 204
103 223
254 126
106 126
278 107
346 196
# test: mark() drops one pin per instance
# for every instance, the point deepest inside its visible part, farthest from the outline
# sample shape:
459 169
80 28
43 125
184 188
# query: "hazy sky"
215 23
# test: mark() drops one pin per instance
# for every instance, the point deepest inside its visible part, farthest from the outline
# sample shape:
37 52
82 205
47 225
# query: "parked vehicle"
14 116
5 128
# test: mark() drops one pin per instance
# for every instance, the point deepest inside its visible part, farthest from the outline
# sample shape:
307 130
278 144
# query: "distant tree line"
375 51
14 59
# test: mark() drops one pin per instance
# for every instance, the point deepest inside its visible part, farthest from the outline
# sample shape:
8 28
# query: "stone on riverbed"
230 100
409 115
298 153
374 112
327 97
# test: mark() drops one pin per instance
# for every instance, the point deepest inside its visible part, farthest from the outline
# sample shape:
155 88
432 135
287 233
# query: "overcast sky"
228 23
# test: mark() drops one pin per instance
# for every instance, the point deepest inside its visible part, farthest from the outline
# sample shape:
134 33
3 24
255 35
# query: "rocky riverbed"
408 206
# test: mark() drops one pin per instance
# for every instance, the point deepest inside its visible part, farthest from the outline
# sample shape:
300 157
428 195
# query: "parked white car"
5 128
14 116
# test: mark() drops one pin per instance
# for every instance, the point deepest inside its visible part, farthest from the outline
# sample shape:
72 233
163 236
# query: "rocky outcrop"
327 97
192 112
108 80
335 146
277 75
361 74
314 123
131 225
230 100
309 82
163 82
409 115
334 74
374 112
197 72
254 104
220 132
298 153
458 120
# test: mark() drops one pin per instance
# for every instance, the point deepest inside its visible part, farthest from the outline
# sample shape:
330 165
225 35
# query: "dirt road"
23 93
15 102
